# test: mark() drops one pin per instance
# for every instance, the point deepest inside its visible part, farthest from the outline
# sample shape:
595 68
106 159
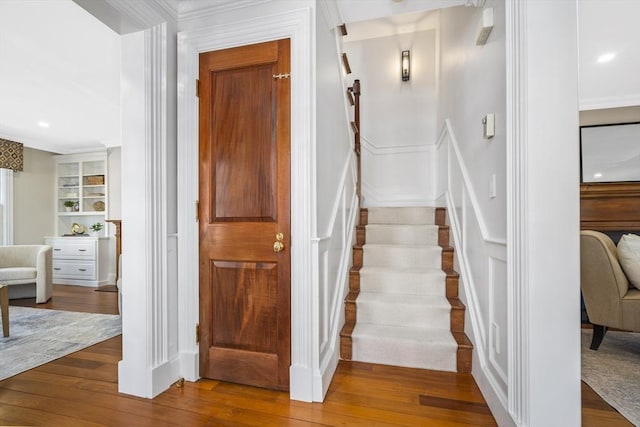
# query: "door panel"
244 203
243 114
250 289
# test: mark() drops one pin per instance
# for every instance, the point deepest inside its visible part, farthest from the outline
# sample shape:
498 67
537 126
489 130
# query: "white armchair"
27 269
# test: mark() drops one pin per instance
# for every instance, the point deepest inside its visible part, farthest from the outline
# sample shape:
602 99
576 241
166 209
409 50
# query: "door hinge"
197 333
197 88
197 210
281 76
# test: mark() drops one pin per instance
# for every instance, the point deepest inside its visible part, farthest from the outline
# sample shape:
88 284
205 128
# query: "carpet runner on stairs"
402 313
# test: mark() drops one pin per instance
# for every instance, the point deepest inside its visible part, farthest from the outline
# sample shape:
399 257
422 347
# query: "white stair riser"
399 256
412 315
401 216
407 283
433 355
402 234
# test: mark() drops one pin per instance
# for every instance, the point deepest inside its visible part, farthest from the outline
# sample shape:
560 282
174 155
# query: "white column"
148 366
149 241
543 204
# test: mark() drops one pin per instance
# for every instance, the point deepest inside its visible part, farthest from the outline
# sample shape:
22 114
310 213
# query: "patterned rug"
39 336
613 371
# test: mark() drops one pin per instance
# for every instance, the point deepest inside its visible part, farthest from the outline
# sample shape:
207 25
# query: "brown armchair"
609 300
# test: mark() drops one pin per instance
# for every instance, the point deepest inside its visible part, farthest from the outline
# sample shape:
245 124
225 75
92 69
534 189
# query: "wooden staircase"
457 314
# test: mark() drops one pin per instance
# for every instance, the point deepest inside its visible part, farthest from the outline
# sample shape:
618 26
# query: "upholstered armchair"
609 300
27 269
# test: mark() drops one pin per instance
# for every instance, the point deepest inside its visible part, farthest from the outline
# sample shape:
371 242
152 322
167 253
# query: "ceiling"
60 66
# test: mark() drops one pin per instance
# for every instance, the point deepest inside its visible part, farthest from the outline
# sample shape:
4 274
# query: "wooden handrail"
355 90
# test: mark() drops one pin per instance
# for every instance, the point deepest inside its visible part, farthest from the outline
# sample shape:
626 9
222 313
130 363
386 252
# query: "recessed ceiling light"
606 57
43 124
597 175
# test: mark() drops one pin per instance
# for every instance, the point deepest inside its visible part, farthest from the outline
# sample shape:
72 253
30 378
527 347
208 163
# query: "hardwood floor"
76 298
81 390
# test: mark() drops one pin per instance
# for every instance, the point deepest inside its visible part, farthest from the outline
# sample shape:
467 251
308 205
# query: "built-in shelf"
81 179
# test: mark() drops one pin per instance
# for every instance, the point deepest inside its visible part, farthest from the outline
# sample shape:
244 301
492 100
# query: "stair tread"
373 269
404 333
430 301
405 215
401 245
409 226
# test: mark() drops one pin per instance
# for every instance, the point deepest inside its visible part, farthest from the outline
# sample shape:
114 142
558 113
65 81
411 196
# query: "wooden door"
244 215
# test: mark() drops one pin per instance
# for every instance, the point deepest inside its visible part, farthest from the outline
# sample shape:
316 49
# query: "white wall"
33 197
397 123
336 203
609 26
473 83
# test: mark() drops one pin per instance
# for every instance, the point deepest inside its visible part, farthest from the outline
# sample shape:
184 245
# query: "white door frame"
297 26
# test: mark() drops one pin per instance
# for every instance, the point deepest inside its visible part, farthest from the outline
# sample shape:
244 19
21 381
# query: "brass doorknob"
278 246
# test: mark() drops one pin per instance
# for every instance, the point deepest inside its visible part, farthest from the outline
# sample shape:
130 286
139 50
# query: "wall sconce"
405 64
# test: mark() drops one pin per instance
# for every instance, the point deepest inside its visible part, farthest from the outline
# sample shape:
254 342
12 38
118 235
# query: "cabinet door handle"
57 269
82 250
57 249
82 269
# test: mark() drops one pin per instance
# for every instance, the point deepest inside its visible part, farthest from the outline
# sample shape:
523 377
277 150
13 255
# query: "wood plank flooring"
81 390
76 298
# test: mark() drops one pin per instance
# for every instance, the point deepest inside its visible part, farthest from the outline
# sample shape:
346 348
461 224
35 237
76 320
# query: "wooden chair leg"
598 335
4 308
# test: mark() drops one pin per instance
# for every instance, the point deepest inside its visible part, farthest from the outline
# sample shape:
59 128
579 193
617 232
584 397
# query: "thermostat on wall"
488 126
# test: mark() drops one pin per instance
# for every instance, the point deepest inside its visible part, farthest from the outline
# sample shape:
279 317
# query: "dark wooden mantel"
610 206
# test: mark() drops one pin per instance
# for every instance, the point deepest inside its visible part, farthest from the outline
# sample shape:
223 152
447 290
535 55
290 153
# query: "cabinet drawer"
75 250
78 269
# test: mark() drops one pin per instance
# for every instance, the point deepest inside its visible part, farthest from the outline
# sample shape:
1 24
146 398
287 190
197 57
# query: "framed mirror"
610 153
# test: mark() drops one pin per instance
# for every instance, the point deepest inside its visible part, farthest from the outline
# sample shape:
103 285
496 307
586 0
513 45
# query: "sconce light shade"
405 63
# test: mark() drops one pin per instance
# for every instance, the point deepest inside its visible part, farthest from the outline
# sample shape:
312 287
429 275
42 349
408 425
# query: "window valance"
11 155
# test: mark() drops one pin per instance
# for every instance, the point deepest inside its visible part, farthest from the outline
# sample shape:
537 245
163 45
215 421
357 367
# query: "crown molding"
195 9
171 7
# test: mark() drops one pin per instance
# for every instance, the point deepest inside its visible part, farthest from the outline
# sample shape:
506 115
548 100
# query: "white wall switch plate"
489 126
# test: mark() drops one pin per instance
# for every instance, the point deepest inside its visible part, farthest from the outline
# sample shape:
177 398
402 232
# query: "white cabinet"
80 260
82 184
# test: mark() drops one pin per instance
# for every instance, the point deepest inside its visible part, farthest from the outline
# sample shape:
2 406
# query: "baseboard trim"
190 365
151 383
322 379
164 375
488 389
301 383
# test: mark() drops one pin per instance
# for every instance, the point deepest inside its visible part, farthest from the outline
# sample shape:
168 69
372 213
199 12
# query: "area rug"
39 336
614 371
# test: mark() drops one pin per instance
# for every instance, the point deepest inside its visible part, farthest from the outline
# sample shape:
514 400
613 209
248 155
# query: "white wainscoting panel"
334 261
481 261
400 175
